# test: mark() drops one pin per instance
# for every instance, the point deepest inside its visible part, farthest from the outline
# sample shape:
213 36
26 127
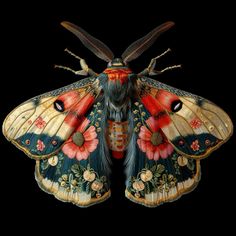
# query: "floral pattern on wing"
40 122
151 179
82 142
153 142
40 145
84 179
195 145
196 123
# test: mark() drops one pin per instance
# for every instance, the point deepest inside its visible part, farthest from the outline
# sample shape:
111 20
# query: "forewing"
194 125
41 125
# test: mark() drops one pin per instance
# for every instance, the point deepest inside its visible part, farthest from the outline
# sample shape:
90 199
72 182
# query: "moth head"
117 62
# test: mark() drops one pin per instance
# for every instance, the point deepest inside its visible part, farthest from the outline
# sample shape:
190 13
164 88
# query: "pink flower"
40 123
195 146
82 142
153 142
40 145
196 123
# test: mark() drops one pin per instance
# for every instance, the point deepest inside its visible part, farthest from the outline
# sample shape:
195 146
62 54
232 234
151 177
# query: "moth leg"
85 69
167 68
150 70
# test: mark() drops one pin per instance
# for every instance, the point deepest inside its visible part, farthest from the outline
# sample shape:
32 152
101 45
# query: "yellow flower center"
156 139
78 139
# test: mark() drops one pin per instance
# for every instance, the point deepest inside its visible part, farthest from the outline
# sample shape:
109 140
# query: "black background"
33 41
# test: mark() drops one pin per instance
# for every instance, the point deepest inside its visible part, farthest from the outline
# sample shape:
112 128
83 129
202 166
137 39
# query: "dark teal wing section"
79 173
156 173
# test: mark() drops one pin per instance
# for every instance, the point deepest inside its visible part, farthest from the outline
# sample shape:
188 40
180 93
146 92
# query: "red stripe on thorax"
118 74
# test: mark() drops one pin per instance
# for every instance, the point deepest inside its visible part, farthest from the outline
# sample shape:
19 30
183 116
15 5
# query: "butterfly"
74 133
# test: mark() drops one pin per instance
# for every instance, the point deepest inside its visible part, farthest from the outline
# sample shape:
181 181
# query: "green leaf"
75 168
147 187
157 175
153 183
190 165
45 165
164 178
78 175
160 168
93 194
153 168
70 178
87 190
103 178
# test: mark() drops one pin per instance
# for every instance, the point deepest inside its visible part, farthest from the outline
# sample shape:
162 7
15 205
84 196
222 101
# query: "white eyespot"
58 107
176 107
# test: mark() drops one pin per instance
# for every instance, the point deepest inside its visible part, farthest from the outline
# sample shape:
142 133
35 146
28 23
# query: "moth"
75 132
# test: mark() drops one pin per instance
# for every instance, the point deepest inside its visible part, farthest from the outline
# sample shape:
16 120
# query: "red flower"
82 142
40 123
195 146
153 142
195 123
40 145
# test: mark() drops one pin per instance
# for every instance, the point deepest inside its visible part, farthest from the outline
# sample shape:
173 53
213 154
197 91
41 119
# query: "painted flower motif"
96 185
52 161
153 142
89 176
196 123
40 145
182 161
82 142
195 145
64 177
138 185
40 123
146 176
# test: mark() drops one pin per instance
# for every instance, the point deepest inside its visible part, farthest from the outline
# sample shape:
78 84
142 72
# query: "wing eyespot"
59 106
176 105
27 142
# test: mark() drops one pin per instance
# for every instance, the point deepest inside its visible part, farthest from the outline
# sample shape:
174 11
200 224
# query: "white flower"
146 176
138 185
96 185
182 161
52 161
89 176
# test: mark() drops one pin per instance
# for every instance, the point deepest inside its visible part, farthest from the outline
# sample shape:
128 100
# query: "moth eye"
59 105
176 105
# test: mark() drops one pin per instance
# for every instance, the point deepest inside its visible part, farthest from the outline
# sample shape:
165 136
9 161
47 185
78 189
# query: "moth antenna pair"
103 51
